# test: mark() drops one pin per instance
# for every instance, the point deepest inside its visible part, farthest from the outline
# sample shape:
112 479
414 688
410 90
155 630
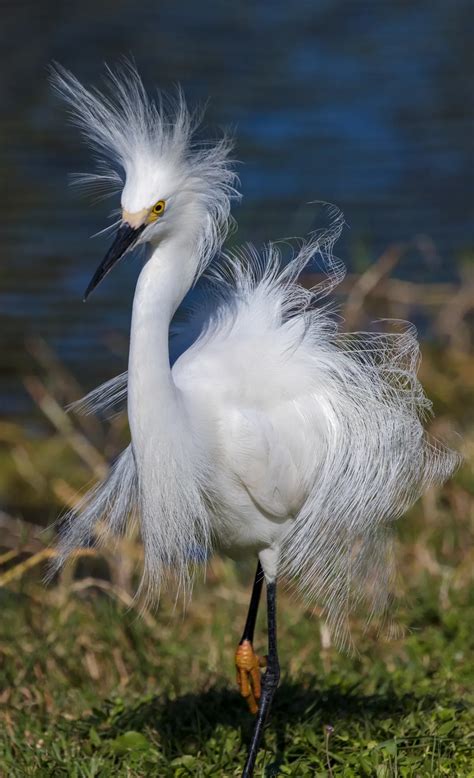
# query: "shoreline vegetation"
91 684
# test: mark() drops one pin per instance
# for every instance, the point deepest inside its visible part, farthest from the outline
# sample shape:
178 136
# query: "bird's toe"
248 665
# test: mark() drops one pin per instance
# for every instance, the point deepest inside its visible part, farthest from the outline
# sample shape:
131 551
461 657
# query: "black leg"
247 662
269 683
249 628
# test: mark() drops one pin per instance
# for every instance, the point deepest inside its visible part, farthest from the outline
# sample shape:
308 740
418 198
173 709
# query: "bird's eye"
158 209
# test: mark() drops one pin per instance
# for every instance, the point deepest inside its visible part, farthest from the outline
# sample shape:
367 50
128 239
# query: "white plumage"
273 433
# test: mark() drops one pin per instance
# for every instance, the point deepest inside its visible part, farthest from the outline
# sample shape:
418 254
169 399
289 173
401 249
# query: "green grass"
91 689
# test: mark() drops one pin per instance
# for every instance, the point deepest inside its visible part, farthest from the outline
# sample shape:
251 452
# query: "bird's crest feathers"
146 148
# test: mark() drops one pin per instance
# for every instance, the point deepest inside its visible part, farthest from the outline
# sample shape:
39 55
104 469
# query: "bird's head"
170 186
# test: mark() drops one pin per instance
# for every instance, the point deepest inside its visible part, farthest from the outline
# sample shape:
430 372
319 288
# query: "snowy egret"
259 430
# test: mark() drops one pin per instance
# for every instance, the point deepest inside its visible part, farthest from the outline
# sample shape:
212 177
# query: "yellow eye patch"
157 211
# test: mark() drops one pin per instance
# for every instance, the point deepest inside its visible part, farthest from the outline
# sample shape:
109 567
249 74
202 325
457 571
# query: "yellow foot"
248 665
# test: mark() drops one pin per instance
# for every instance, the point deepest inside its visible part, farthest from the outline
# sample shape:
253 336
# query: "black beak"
125 239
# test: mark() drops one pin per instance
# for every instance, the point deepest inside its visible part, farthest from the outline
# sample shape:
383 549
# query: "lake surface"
366 105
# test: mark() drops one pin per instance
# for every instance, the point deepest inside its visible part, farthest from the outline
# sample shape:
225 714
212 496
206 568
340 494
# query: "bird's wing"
252 382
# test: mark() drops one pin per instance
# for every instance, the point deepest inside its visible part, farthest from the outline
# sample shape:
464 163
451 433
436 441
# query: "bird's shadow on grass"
187 722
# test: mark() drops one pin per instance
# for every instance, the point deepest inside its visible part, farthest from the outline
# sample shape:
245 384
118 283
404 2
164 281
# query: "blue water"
367 105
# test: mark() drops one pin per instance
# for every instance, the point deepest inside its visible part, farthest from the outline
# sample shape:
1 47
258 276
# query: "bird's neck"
153 398
168 463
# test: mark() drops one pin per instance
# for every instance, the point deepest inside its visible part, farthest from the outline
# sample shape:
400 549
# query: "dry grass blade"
19 570
62 380
59 419
367 282
9 555
36 559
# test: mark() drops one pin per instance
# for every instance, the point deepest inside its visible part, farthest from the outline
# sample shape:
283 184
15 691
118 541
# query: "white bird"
271 435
